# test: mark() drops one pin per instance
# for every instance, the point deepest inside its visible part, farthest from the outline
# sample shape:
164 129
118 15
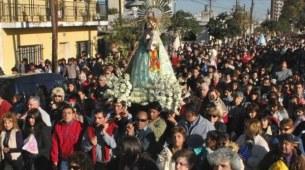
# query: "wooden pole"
54 14
210 9
120 12
251 16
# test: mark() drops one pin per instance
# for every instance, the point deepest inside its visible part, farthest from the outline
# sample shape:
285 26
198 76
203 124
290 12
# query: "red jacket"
246 58
65 139
5 106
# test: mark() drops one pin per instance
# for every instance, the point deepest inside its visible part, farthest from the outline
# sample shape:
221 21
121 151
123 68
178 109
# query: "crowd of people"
243 107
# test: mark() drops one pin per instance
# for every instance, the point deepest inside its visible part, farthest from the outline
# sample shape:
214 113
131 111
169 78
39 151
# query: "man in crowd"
286 153
99 140
142 131
65 138
34 103
284 73
195 125
120 116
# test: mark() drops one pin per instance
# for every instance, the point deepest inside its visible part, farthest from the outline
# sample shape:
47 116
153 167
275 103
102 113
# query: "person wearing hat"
287 152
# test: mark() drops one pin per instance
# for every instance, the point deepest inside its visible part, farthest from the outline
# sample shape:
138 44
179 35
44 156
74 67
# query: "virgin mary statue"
151 64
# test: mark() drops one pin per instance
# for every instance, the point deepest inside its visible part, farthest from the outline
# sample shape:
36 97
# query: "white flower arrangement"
165 90
119 88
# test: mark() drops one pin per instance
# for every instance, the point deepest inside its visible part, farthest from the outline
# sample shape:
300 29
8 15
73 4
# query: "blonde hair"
233 146
214 110
253 127
9 116
58 91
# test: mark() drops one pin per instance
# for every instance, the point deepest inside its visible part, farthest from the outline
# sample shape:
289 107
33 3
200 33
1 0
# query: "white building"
276 9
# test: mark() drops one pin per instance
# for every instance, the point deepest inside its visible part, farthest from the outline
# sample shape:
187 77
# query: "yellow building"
25 30
117 4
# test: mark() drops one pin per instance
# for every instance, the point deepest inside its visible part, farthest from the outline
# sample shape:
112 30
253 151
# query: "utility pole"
120 12
210 8
54 14
236 5
251 16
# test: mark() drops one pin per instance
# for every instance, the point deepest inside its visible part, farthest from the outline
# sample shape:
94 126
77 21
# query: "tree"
216 27
301 21
292 15
224 25
186 24
124 34
233 28
270 25
242 19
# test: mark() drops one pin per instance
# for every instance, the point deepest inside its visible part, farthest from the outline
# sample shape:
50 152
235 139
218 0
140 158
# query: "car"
30 84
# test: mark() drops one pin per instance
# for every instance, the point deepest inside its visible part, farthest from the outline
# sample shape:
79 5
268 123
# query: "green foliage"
242 18
216 28
301 21
292 14
186 24
225 25
270 25
112 11
233 28
125 33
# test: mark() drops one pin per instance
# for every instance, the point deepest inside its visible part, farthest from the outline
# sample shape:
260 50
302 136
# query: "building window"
83 47
102 7
33 53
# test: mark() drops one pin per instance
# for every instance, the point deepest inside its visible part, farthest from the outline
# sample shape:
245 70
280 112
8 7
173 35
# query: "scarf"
12 143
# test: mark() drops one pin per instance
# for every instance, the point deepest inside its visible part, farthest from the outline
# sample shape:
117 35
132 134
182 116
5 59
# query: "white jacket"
165 161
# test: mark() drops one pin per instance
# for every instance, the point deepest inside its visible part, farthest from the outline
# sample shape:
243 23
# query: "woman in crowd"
131 156
36 130
57 104
253 147
80 161
277 111
185 160
214 98
177 142
71 90
214 115
11 142
253 111
225 158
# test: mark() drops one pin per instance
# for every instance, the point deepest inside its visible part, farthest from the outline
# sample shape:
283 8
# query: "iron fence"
33 53
69 11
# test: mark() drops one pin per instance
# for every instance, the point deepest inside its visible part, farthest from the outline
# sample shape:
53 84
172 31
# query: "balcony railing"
67 12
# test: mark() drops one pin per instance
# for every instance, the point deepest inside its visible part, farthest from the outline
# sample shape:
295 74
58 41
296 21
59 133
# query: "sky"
195 6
